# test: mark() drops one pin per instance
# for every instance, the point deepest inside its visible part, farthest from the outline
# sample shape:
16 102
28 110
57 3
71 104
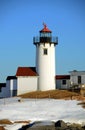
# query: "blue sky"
20 20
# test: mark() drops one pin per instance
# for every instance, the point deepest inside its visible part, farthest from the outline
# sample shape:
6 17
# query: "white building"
27 80
62 81
77 78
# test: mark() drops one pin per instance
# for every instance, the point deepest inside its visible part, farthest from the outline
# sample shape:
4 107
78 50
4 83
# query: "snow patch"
40 110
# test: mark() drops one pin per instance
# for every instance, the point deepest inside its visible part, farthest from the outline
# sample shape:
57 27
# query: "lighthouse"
45 59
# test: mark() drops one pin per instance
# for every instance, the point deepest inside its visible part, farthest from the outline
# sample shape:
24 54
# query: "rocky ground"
59 125
46 125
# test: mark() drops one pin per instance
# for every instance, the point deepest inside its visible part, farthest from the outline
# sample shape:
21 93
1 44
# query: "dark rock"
42 125
83 127
26 126
60 123
75 126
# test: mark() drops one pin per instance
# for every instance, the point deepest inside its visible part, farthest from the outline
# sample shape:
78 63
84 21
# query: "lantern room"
45 37
45 34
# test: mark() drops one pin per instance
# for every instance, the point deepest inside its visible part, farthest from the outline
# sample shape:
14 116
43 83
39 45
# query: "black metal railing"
38 40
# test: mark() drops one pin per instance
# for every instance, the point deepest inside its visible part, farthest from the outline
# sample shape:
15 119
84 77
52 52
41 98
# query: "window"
45 51
79 79
64 82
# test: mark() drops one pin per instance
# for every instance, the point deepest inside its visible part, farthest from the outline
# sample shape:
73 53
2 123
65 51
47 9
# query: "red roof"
62 76
26 71
45 29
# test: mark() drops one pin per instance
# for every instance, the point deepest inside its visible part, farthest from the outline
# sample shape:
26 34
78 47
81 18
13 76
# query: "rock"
60 123
75 126
25 127
42 125
83 127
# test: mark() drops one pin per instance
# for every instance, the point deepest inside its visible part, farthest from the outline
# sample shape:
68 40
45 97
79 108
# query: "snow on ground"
41 109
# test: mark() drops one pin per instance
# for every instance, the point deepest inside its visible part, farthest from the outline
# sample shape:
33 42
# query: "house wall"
83 79
12 86
26 84
9 90
67 85
5 92
74 77
60 85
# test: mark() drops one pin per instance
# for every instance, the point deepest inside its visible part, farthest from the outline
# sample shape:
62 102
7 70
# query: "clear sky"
20 20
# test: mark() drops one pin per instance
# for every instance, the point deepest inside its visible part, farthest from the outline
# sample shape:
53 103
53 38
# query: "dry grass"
5 121
27 122
56 94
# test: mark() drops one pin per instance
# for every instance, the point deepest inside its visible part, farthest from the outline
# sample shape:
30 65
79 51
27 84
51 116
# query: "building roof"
26 71
11 77
2 85
45 29
75 72
62 77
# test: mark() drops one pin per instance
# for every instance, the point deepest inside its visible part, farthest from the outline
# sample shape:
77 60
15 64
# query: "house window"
63 82
79 79
45 51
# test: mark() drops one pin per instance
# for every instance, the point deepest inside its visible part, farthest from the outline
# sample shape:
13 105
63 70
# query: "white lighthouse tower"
45 59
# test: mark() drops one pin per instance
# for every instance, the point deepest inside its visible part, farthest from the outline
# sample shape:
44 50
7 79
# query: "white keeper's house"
42 76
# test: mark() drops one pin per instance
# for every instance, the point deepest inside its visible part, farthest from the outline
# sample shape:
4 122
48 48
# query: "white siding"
74 77
83 79
26 84
59 84
13 84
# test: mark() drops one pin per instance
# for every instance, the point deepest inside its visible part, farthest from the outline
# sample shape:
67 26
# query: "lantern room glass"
45 34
